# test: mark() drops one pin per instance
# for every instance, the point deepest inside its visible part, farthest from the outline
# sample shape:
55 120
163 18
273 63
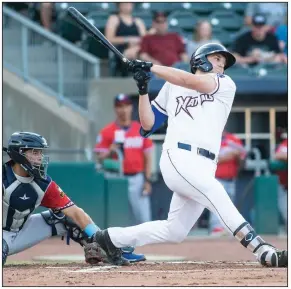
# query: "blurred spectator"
123 134
258 45
125 32
202 34
230 158
162 47
274 12
282 156
46 15
282 35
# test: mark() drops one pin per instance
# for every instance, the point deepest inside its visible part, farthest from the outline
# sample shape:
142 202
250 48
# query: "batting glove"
135 65
142 79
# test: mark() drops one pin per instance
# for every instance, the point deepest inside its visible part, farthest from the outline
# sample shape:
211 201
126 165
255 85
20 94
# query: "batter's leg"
33 232
183 214
206 190
229 186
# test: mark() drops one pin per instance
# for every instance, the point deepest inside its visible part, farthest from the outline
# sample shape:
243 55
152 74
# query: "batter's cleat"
113 253
128 254
274 258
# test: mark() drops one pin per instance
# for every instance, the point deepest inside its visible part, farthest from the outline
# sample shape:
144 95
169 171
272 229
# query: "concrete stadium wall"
26 108
101 95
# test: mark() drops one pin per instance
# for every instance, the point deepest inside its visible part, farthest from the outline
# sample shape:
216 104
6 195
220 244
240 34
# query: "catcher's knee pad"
52 218
5 251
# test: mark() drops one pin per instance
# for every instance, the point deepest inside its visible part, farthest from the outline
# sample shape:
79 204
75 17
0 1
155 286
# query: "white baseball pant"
192 179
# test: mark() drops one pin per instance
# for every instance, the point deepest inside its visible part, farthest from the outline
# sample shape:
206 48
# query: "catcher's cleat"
114 254
274 258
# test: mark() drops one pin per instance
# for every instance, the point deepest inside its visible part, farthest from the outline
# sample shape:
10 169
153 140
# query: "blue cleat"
129 255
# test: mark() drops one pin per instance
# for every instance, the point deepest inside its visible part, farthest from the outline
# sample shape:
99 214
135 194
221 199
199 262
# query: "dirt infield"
212 262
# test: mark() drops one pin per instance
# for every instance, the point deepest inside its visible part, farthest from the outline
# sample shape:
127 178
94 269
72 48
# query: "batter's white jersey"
196 118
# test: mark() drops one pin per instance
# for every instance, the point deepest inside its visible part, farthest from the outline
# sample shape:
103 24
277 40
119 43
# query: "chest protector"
21 196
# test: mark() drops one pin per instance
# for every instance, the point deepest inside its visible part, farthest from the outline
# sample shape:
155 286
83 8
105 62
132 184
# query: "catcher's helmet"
199 57
19 143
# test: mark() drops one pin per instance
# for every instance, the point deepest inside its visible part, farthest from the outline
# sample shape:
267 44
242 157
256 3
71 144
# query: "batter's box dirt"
146 274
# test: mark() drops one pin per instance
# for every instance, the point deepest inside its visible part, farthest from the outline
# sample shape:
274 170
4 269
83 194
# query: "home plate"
76 258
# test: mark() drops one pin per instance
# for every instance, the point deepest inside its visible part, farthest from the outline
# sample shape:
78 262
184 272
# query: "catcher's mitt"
94 254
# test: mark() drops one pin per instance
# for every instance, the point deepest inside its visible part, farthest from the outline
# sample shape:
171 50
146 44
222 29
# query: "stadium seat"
145 16
238 7
222 35
83 7
154 6
68 28
98 18
110 7
178 30
184 19
203 9
238 70
226 19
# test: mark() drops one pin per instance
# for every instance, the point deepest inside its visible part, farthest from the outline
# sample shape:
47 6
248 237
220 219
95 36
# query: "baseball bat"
94 32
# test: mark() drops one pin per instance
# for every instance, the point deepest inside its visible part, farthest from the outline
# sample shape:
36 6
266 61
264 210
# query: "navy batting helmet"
199 57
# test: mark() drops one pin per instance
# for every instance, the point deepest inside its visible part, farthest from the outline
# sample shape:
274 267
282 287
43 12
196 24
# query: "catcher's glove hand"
135 65
94 254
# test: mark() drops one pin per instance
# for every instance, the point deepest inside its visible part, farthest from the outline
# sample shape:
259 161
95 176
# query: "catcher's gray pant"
229 187
140 207
33 232
282 203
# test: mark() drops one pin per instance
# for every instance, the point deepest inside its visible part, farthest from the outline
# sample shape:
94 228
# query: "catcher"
26 186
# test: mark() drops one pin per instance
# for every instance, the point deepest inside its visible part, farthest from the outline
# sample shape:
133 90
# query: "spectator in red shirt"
281 154
230 156
123 134
162 47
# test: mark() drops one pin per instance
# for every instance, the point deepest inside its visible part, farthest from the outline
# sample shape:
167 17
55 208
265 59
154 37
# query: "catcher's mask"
199 57
26 149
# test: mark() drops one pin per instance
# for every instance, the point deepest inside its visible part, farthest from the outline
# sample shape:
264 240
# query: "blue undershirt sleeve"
160 118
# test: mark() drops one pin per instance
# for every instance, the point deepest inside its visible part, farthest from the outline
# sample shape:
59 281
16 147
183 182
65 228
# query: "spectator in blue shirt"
282 35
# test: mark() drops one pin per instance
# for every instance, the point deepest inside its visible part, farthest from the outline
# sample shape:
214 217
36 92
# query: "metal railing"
45 60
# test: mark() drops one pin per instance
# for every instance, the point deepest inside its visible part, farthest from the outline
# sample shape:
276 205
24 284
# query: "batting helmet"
199 57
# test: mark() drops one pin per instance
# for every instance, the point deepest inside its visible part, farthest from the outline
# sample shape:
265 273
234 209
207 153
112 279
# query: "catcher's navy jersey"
22 195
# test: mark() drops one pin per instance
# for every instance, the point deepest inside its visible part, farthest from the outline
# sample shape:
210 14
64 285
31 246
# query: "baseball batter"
196 106
26 186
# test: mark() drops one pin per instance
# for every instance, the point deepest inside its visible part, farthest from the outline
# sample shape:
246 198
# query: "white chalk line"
241 263
111 268
162 271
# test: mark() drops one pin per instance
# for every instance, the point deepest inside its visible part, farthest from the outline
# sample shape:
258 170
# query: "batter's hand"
142 79
135 65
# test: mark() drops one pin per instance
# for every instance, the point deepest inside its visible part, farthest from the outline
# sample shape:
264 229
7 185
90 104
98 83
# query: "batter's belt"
200 151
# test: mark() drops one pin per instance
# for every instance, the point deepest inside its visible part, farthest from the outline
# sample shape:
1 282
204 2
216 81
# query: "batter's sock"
249 239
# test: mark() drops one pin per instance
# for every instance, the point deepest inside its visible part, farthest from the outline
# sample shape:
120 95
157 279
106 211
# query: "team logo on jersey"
62 194
24 197
191 101
206 97
185 103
